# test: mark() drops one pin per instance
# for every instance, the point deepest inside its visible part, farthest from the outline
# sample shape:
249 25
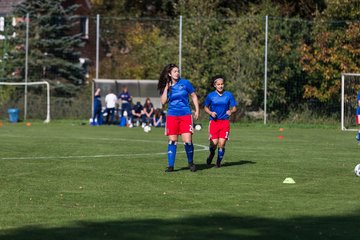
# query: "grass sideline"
65 180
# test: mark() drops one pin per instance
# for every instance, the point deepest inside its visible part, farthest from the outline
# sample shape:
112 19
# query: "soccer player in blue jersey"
175 92
219 104
358 116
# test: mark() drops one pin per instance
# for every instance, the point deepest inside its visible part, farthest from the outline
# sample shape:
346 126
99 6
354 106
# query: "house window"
2 24
2 27
84 27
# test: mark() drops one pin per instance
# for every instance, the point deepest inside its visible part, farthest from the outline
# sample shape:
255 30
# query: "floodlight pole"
97 60
26 64
265 69
97 44
180 42
342 101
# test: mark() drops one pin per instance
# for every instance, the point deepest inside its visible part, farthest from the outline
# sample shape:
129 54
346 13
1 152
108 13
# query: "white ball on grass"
197 127
147 129
357 170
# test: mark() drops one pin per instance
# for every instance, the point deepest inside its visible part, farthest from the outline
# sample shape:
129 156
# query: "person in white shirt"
110 101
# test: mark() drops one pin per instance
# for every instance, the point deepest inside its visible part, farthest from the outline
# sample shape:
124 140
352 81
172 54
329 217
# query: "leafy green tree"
333 49
305 58
304 9
203 42
140 51
53 47
6 63
286 79
139 9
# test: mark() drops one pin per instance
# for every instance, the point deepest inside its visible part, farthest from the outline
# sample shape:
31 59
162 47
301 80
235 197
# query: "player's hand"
213 114
228 112
196 115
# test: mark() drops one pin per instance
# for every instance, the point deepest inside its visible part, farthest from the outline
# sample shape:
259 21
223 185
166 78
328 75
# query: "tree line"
310 43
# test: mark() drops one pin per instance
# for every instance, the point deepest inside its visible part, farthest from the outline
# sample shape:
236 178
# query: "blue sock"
189 149
171 153
212 152
358 136
221 152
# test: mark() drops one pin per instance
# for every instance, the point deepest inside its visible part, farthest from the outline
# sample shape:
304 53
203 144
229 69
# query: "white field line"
202 148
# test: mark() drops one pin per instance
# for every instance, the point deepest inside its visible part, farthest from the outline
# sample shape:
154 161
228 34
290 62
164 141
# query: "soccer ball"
357 170
147 129
197 127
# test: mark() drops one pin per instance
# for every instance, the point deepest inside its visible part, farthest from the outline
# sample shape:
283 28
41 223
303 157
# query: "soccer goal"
47 120
350 86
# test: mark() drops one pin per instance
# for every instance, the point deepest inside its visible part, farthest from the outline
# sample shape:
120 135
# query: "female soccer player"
358 117
175 92
219 104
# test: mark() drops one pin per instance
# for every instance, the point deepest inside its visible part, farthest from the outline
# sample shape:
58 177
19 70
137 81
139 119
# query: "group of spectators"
127 113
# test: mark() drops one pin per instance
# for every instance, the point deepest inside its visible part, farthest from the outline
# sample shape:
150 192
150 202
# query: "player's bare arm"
196 104
164 96
208 111
231 111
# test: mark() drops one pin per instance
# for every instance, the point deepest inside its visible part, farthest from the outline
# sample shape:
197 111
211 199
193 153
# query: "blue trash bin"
13 115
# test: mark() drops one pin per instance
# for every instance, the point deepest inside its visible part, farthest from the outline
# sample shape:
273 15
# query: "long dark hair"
164 77
147 103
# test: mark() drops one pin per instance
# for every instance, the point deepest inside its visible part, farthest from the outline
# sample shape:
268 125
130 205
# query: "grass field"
64 180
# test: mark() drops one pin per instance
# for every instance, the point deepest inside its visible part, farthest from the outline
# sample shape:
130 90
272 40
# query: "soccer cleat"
210 158
218 164
192 167
169 169
358 136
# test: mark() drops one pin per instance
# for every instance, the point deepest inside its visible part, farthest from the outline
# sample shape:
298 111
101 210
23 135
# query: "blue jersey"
125 97
178 96
357 104
220 104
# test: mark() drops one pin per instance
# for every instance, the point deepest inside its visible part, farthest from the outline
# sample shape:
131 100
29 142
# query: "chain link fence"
265 61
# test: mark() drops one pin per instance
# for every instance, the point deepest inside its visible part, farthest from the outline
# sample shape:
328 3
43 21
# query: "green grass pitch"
65 180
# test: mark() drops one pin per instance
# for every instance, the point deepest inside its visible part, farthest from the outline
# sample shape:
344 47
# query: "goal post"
47 120
350 86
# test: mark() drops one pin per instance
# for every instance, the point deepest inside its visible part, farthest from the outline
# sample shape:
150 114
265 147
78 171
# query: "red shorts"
176 125
357 119
219 129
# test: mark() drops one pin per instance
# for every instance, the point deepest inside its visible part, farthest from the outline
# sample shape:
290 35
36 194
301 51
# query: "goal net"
28 97
350 86
138 89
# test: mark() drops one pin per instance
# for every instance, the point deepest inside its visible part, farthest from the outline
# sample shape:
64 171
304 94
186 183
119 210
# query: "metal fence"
259 56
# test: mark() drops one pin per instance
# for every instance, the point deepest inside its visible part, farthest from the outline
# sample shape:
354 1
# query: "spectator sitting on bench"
149 112
158 118
137 114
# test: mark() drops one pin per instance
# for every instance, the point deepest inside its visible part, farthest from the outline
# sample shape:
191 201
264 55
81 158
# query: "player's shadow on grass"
219 226
204 166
